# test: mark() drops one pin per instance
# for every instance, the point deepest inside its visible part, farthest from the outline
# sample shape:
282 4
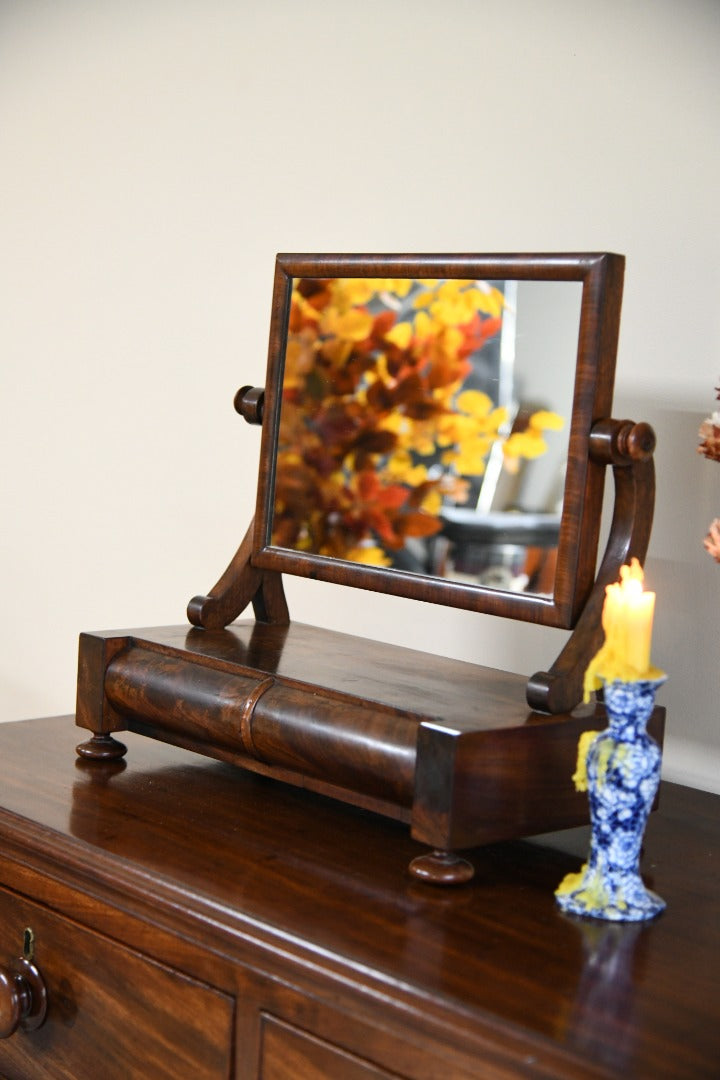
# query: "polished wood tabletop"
327 882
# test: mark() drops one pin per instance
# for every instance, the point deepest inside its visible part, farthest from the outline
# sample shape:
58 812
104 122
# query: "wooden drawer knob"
23 997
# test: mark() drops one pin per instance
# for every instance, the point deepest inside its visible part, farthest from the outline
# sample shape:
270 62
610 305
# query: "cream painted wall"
153 159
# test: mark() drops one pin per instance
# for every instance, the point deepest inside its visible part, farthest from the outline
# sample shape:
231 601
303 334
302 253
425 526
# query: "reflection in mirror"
424 425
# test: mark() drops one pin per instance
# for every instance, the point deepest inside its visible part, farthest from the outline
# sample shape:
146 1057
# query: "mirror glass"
423 425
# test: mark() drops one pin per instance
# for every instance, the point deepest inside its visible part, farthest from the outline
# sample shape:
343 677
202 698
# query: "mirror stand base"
442 868
443 747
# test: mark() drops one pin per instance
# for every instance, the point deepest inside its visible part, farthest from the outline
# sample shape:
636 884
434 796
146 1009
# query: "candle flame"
632 573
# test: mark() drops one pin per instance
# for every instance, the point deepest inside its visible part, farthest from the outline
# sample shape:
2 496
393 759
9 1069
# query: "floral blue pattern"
623 771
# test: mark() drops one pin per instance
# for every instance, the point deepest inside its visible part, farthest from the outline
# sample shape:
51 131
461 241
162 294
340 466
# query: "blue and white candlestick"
623 773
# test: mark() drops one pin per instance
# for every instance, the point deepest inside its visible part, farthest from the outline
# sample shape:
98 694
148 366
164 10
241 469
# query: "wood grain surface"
301 907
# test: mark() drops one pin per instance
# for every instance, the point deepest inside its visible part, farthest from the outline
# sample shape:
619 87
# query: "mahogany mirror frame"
601 276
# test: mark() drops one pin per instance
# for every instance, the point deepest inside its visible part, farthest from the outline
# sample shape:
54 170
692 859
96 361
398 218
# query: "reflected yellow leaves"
377 425
531 443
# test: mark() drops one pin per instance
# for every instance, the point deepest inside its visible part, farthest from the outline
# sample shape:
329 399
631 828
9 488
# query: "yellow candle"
639 612
627 620
613 619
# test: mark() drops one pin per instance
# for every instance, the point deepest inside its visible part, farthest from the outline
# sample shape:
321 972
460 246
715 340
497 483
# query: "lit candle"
627 619
639 613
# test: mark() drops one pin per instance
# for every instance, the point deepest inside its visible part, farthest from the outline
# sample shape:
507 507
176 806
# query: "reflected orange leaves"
376 427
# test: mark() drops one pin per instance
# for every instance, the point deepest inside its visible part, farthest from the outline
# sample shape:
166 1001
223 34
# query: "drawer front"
112 1013
287 1053
285 1033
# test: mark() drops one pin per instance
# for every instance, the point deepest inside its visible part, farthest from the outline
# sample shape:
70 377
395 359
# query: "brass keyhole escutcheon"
28 943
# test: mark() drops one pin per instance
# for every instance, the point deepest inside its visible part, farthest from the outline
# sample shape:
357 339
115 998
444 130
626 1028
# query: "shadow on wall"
687 583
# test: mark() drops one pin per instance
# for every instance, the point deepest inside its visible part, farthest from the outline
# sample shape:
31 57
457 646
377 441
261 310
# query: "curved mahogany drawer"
111 1012
311 731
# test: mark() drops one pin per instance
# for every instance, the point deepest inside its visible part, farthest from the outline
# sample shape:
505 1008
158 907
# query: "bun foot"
442 868
101 748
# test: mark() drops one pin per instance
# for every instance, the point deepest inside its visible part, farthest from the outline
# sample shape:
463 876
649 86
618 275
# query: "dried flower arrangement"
710 448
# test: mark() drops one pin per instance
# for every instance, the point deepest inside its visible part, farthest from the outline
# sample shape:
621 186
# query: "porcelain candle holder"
623 773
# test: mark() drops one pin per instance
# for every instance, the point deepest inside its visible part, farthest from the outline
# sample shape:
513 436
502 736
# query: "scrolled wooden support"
250 402
628 447
241 584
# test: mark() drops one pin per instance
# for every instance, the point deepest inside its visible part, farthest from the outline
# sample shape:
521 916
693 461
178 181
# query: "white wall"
155 156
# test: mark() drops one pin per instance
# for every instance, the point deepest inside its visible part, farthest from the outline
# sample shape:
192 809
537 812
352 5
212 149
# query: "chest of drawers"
190 919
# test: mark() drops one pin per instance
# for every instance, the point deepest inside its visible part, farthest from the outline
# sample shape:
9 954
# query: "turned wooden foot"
442 868
101 748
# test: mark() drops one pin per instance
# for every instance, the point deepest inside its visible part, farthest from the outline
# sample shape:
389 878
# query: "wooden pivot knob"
250 403
23 997
621 442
